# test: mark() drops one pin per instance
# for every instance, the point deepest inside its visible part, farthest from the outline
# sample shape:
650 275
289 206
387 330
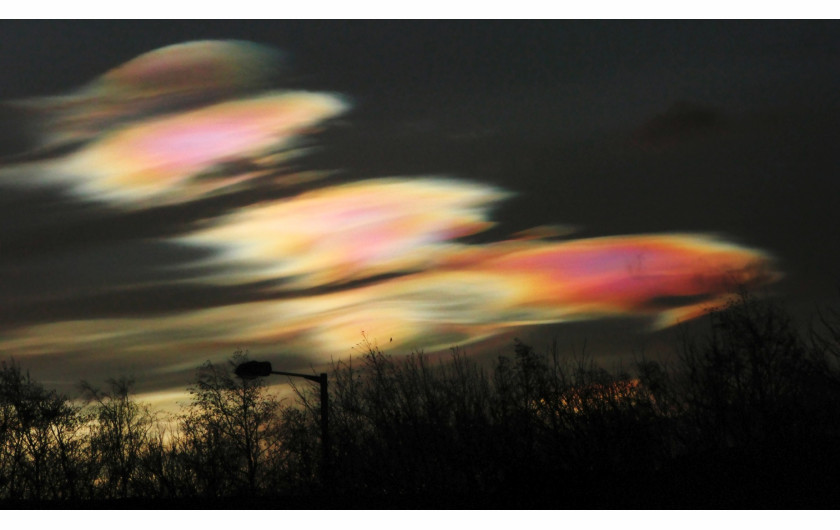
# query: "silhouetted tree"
121 431
748 380
228 431
40 440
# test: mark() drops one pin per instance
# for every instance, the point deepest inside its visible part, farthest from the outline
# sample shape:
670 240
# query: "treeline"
747 415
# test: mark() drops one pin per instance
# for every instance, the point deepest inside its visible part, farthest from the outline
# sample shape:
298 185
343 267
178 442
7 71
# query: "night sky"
284 187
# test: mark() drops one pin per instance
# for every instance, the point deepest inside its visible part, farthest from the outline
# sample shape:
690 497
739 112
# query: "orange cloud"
623 275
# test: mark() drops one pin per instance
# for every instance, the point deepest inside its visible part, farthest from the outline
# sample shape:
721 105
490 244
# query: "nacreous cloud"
161 81
385 256
476 293
163 128
162 160
348 232
481 291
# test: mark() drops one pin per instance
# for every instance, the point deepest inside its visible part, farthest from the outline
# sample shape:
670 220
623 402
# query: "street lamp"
255 369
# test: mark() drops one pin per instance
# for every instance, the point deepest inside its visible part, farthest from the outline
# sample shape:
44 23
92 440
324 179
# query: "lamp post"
255 369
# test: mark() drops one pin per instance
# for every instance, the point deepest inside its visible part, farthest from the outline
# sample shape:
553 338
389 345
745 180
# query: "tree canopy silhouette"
746 415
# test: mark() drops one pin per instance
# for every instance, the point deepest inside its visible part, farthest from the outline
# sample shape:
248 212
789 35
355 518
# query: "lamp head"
253 369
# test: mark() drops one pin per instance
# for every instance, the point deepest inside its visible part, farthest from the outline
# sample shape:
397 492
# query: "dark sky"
725 130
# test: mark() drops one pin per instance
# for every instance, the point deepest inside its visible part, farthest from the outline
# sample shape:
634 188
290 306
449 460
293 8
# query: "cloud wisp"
170 79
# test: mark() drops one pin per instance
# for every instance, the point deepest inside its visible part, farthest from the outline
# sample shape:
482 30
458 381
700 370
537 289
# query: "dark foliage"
748 416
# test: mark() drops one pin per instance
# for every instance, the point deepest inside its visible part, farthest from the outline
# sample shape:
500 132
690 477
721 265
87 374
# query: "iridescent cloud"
178 124
162 128
348 232
480 292
483 291
163 80
659 275
159 159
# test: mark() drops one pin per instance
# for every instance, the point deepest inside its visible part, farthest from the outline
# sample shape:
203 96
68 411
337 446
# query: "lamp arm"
315 378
